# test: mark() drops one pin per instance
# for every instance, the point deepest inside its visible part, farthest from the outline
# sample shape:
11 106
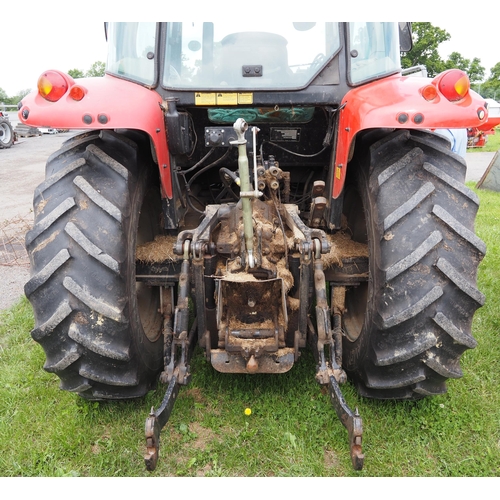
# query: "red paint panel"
123 103
378 105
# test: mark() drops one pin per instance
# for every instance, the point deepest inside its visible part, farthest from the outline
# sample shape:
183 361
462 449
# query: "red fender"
397 102
108 103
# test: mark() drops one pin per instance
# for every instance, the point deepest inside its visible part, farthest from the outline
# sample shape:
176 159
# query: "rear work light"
52 85
454 84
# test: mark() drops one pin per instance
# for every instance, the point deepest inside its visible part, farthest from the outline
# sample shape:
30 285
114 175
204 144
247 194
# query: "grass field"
292 431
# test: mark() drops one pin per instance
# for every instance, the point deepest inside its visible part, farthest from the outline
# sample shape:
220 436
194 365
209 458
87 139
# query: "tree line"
426 40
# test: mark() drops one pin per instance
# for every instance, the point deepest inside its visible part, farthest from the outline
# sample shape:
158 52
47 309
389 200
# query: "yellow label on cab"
222 98
205 99
227 98
245 98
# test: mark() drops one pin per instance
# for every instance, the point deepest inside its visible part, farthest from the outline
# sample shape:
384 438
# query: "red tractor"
281 181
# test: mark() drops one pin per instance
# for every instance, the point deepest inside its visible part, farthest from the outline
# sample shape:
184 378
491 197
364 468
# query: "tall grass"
292 430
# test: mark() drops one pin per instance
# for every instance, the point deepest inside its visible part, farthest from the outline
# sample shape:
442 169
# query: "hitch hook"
155 423
351 421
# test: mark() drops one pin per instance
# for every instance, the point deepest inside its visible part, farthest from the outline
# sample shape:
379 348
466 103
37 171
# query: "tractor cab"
237 56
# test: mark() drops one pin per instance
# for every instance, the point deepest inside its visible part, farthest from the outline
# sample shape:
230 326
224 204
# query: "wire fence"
12 234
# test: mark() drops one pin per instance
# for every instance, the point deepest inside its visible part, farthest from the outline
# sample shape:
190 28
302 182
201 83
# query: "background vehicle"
7 135
477 137
281 178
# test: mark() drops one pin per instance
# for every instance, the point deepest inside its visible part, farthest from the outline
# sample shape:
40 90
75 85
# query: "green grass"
292 431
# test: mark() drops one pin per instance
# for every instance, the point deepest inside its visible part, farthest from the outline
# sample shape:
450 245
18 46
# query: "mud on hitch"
328 373
254 271
324 340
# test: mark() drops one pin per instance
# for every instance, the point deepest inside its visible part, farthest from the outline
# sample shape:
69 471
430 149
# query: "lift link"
155 423
351 421
329 372
177 371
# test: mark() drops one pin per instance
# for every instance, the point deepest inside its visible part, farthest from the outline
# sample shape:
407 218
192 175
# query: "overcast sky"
34 44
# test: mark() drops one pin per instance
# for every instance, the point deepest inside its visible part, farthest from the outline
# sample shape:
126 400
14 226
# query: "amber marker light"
429 92
454 84
77 92
52 85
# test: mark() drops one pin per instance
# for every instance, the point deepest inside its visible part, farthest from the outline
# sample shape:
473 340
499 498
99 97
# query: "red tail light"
77 92
453 84
52 85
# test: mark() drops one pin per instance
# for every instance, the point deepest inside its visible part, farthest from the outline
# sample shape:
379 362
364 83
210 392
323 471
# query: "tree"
97 69
19 96
476 71
426 39
5 99
3 96
76 73
473 68
491 87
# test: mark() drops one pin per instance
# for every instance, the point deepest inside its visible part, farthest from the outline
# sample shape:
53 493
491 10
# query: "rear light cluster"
52 85
453 84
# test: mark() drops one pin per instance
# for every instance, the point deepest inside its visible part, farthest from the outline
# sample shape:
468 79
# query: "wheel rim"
5 133
356 299
148 297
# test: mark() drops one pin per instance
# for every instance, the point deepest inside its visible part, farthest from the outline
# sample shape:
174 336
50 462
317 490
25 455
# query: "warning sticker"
227 98
222 98
205 99
245 98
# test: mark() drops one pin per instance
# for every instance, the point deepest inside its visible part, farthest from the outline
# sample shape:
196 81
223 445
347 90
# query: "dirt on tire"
98 328
424 257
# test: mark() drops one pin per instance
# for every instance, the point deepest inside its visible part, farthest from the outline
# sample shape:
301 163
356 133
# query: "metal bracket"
351 421
155 423
330 372
178 351
178 376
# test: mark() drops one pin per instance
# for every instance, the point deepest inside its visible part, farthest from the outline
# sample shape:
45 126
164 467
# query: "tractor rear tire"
101 332
407 327
6 133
